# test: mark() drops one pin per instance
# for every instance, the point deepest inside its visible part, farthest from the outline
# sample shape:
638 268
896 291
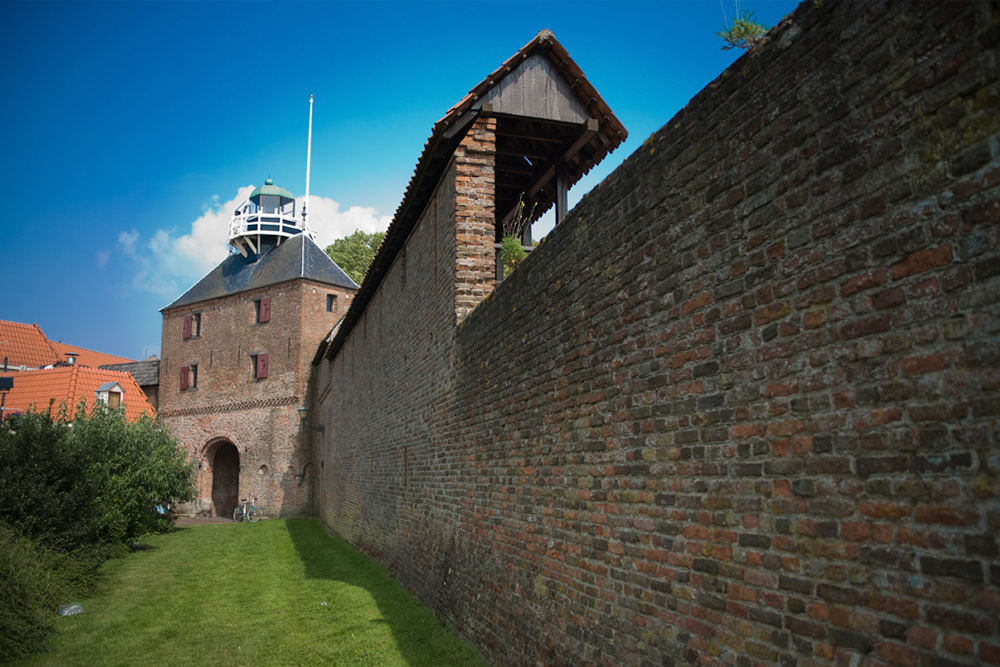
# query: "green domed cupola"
265 219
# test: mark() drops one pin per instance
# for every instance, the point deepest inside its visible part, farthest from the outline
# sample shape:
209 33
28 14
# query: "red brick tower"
236 352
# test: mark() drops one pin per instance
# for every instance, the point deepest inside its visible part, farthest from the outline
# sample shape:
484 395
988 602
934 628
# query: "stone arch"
223 460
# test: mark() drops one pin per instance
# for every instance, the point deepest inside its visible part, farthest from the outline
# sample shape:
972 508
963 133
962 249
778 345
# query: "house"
64 388
236 352
46 374
25 347
146 373
73 354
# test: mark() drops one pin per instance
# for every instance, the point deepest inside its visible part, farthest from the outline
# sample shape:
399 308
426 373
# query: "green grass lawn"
251 595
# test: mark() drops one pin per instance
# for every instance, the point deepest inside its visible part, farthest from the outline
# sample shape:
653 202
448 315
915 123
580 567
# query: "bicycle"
248 512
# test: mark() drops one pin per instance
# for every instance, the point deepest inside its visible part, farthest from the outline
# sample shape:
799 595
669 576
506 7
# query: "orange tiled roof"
69 385
25 345
86 357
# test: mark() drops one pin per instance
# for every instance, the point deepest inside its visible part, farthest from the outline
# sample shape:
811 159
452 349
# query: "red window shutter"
261 366
184 378
265 309
187 327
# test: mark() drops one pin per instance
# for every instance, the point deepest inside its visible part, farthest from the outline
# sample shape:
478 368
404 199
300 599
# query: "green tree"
93 485
745 33
70 497
355 253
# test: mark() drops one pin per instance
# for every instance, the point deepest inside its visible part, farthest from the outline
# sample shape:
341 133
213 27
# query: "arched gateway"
224 468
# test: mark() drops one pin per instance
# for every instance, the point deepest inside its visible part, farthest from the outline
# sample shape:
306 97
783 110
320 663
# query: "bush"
92 485
45 491
512 253
70 497
34 581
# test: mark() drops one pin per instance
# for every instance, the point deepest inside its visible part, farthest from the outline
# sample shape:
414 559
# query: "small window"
331 303
114 399
189 377
262 309
258 366
192 326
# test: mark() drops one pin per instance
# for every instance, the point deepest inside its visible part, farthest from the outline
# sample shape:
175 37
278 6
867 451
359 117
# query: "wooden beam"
585 136
556 166
561 190
531 137
461 124
517 153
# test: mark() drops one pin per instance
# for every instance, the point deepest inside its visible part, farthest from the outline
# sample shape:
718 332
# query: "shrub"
46 492
512 253
33 582
138 465
92 485
70 497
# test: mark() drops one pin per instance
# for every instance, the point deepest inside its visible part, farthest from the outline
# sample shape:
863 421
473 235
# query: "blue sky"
129 131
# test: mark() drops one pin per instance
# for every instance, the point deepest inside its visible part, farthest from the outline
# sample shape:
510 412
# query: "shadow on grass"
420 637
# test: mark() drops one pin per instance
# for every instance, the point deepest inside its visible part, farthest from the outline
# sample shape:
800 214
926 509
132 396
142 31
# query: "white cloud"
330 223
168 263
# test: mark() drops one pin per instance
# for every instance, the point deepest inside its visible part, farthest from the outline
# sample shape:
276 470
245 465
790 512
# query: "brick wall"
741 407
259 417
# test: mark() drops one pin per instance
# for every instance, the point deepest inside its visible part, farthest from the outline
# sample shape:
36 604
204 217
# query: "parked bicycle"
248 511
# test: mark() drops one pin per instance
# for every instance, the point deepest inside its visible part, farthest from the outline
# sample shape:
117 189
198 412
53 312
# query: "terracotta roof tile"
68 385
25 345
85 357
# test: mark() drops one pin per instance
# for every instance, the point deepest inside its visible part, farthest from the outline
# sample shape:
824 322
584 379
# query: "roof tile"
49 389
25 345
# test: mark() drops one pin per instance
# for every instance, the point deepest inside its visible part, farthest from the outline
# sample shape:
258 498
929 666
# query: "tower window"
331 303
262 309
258 366
192 326
189 377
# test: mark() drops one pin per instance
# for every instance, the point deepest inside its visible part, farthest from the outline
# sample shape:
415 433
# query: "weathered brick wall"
383 390
259 417
741 407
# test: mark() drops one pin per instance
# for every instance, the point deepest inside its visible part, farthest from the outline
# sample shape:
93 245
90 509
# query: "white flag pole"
308 158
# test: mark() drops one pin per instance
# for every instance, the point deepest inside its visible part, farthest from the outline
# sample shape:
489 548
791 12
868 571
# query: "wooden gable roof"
550 117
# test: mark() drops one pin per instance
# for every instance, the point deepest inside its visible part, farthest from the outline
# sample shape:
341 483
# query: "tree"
355 253
92 485
70 497
745 33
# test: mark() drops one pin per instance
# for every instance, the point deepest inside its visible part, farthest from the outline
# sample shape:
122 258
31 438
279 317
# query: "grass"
279 592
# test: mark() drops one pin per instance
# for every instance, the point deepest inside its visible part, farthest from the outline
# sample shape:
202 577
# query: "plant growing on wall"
744 33
512 250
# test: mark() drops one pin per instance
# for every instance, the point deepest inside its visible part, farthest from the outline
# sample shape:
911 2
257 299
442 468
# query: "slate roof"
25 345
146 373
297 257
68 385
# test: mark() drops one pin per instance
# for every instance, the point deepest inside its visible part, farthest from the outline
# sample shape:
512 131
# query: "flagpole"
308 158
